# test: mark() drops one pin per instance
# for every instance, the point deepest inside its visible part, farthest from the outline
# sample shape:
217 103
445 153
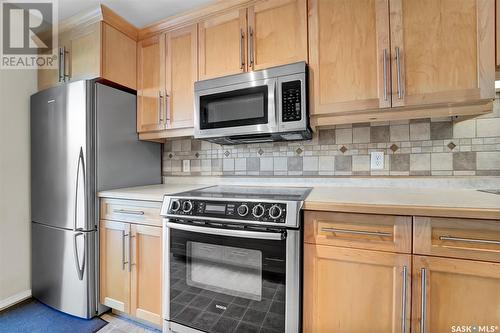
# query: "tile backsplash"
424 147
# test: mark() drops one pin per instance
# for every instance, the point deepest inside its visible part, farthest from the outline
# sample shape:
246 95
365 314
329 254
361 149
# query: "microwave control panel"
291 101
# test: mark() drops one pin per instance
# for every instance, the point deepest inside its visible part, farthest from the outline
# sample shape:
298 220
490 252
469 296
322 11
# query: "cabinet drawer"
457 238
143 212
364 231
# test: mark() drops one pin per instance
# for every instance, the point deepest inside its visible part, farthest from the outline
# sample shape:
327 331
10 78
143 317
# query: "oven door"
240 109
226 280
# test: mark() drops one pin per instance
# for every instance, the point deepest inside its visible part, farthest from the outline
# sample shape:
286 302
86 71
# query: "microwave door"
240 109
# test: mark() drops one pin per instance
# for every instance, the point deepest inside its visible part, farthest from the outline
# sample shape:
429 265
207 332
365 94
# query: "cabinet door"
181 73
114 268
118 57
349 55
84 53
151 84
146 287
443 51
277 31
222 49
350 290
456 293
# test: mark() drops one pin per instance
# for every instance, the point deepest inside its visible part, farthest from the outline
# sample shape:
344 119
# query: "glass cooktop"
249 192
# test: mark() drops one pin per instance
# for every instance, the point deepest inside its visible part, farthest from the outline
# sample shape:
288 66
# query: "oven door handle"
228 232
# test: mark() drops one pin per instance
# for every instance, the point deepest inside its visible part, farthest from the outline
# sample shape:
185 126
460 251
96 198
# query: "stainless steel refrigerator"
83 140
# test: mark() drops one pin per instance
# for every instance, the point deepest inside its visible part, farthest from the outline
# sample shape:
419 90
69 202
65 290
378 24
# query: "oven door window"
226 284
234 108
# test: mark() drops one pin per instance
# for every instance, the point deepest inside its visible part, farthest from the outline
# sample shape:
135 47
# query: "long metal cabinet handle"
158 107
61 64
250 48
130 236
423 300
403 306
385 74
80 167
128 211
66 76
242 55
124 262
398 65
469 240
167 106
79 270
228 232
357 232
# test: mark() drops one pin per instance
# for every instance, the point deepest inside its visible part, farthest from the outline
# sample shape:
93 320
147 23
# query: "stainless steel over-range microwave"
261 106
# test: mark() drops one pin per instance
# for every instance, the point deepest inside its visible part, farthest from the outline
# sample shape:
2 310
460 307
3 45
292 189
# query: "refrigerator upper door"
63 269
58 156
122 160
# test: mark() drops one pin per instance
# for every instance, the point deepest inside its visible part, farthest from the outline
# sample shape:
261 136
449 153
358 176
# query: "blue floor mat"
34 317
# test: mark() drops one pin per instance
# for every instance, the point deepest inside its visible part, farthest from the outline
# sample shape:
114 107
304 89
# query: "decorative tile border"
424 147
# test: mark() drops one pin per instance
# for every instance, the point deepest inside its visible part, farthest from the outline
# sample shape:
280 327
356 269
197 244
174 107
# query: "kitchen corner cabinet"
266 34
131 258
351 290
167 69
90 51
412 58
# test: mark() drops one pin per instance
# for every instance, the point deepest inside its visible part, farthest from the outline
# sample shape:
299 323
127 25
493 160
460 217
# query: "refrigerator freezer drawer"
63 269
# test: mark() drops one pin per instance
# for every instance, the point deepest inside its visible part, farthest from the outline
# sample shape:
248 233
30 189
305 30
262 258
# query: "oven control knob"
242 210
275 211
187 206
258 210
175 205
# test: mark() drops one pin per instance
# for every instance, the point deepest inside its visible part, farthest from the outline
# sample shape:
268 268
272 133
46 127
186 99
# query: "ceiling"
138 12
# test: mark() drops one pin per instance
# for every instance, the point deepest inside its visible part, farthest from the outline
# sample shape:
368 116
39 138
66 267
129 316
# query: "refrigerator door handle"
81 161
80 268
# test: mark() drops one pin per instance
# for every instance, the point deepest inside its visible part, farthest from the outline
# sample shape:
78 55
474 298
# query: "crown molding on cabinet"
193 16
101 13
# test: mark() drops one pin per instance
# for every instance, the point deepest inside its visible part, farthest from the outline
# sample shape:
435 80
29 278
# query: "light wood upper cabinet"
456 292
222 49
181 73
266 34
151 84
347 44
146 277
443 51
92 51
114 271
351 290
277 32
119 57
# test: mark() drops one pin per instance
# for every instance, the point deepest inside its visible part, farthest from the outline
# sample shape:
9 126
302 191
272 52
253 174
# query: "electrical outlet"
186 166
377 160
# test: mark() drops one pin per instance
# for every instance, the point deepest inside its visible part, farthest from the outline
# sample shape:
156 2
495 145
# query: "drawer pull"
130 212
357 232
468 240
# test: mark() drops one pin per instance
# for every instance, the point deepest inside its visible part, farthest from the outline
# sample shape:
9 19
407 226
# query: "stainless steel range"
233 259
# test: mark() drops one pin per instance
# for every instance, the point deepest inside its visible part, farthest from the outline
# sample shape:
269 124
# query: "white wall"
15 88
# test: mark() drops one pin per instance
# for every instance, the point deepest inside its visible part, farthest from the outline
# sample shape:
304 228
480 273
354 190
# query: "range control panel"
268 212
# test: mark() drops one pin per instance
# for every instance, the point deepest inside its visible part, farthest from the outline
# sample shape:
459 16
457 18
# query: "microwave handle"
228 232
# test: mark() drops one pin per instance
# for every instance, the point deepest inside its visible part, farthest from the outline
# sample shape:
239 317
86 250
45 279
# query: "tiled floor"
122 325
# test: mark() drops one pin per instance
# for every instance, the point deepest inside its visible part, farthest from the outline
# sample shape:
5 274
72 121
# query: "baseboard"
14 299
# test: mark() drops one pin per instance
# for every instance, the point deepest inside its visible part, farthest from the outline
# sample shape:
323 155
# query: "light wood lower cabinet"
458 293
130 269
351 290
146 287
114 270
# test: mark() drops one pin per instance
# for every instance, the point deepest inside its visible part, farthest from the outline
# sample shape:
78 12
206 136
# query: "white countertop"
148 193
376 200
